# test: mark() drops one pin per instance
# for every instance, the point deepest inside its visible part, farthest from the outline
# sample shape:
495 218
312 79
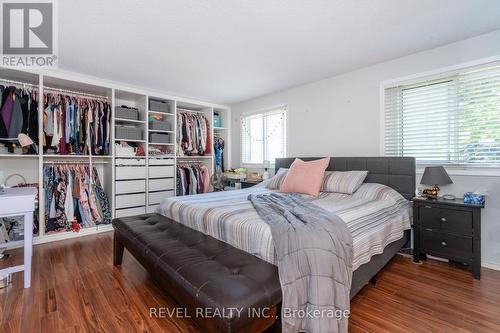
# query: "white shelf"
161 144
75 156
160 131
123 120
220 128
162 113
128 140
19 155
194 157
126 156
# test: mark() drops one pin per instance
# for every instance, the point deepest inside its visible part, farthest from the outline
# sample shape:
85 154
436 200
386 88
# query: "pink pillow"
305 177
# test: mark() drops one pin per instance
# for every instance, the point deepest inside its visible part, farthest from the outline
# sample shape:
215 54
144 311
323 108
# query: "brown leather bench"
202 273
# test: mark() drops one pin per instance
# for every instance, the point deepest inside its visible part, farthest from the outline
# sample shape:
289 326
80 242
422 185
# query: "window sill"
464 171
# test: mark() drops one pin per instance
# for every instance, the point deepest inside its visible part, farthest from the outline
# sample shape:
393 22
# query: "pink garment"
207 187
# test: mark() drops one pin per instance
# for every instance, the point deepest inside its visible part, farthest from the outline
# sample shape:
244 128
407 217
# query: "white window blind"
263 136
453 120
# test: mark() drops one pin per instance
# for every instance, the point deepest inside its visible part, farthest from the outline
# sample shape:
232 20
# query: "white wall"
340 116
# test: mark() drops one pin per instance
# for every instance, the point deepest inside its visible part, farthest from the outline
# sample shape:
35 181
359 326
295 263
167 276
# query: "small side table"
249 183
448 229
16 202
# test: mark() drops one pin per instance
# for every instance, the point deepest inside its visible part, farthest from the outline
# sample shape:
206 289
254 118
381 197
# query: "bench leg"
373 280
117 251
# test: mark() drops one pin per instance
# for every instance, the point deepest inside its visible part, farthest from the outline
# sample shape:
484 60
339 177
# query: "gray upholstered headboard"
395 172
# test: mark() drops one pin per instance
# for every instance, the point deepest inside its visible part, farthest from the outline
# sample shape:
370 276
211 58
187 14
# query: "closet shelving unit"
136 195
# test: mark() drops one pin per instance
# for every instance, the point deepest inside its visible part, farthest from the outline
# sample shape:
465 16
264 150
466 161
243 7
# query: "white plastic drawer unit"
157 197
130 200
161 184
130 172
130 186
161 161
130 211
130 161
152 208
161 171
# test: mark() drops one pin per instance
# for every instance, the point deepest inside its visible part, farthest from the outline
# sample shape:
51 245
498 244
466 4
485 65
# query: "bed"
378 214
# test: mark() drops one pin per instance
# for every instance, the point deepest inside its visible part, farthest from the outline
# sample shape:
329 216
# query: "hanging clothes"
193 134
73 193
76 125
219 152
193 179
19 114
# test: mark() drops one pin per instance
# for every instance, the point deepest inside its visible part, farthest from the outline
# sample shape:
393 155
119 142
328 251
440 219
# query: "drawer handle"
444 243
443 219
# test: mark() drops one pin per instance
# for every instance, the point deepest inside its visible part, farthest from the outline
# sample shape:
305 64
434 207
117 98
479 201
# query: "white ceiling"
227 51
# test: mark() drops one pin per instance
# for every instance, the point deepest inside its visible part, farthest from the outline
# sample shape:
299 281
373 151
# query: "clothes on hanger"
193 134
193 179
73 193
219 152
76 125
19 114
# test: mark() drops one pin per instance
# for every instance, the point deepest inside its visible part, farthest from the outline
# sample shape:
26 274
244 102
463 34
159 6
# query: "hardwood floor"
75 288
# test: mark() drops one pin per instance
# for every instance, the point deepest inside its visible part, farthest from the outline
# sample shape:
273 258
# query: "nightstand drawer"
458 222
446 245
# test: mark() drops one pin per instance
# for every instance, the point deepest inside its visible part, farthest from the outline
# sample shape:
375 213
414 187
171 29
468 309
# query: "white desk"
17 202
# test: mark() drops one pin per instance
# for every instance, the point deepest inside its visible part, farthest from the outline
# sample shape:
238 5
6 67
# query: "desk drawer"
130 211
161 171
130 186
446 245
458 222
161 184
157 197
130 200
130 172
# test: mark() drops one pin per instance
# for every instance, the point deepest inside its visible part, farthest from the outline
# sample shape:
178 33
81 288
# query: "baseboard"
490 265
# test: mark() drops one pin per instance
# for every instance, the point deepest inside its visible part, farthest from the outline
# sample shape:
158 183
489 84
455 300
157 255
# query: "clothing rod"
19 83
74 162
72 92
189 111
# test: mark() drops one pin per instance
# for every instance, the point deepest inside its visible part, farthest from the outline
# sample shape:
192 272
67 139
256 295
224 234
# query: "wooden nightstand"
249 183
449 229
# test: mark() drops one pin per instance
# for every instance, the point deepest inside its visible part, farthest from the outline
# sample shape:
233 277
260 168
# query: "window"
453 120
263 136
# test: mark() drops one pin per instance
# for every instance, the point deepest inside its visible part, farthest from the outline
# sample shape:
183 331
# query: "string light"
269 135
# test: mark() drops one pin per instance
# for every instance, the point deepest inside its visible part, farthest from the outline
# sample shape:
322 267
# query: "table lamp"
434 176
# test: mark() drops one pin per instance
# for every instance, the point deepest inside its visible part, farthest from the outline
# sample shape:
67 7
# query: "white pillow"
343 181
276 180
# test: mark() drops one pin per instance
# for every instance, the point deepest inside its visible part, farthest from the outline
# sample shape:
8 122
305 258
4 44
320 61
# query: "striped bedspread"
375 214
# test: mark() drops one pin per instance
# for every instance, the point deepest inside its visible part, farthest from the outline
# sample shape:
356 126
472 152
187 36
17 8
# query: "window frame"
433 75
285 127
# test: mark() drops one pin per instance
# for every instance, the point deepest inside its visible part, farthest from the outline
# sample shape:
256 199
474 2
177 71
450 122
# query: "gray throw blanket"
314 249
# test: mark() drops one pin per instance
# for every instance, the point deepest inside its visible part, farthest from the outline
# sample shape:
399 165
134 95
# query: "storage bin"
126 113
159 106
130 186
161 184
159 137
161 171
130 200
130 211
157 197
217 122
128 133
130 172
160 125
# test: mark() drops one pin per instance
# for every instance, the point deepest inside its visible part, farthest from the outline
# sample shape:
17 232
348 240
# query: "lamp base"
431 193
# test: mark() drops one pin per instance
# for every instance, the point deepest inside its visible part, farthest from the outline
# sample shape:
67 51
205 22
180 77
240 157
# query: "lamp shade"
435 176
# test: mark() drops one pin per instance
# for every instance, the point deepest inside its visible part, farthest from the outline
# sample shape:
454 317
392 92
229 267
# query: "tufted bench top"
201 273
